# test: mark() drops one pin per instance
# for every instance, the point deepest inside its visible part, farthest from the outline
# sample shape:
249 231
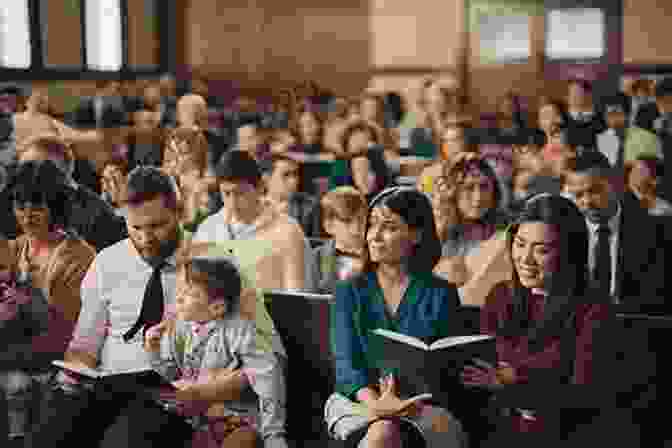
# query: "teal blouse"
428 311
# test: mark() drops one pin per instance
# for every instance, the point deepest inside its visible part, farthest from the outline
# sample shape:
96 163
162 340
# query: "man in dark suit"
626 246
663 128
643 108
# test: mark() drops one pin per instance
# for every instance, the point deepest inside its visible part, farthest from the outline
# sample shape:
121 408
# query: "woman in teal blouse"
396 291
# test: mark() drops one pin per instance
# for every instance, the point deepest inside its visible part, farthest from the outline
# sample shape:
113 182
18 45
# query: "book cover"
428 368
134 378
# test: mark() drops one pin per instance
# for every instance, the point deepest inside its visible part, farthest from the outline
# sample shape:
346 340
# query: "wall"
646 32
410 40
266 42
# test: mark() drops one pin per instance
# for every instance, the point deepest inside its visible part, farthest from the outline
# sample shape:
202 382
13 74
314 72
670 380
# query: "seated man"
244 216
282 177
89 215
127 289
623 143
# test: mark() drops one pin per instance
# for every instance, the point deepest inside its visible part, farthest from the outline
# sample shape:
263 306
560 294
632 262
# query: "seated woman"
49 258
396 291
474 193
361 163
546 320
53 257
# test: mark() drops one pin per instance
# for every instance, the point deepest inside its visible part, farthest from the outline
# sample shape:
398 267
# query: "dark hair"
146 183
415 210
394 106
517 118
42 181
583 83
569 286
267 166
238 166
618 100
593 163
220 277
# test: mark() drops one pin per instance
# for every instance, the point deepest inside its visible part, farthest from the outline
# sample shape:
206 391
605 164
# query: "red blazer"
514 350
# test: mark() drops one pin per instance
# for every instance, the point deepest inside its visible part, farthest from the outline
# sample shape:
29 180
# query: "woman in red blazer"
546 322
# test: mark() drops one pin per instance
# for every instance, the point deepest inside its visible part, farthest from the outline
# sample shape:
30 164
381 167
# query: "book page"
458 340
403 338
80 369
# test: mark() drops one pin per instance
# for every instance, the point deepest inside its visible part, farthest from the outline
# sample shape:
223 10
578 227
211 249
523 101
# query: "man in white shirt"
130 285
632 256
245 216
622 142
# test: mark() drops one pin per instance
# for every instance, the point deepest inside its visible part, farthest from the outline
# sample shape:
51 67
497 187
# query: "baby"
199 350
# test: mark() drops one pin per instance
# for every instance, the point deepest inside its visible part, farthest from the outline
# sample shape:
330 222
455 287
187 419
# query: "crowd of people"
402 209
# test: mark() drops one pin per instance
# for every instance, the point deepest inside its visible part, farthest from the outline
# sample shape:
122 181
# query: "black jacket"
94 219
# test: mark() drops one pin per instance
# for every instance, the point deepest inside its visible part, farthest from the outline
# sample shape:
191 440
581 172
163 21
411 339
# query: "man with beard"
127 289
626 256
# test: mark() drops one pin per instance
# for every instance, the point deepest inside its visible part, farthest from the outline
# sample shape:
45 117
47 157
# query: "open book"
142 378
428 368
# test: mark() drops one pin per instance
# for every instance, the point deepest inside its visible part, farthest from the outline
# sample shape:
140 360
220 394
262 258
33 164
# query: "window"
14 34
103 35
577 33
504 37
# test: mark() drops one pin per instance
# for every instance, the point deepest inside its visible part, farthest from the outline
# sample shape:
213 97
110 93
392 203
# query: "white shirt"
614 225
607 144
214 229
112 294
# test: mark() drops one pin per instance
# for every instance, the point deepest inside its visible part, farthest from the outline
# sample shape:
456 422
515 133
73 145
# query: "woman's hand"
389 404
487 376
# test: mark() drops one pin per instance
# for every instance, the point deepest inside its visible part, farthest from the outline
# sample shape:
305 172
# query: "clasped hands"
388 403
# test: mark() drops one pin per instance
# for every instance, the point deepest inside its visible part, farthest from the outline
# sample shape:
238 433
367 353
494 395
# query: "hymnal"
144 378
428 368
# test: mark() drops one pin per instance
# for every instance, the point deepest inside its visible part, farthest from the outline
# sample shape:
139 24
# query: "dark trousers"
105 419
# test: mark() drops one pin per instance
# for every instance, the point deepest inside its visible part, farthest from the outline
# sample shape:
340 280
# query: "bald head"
191 110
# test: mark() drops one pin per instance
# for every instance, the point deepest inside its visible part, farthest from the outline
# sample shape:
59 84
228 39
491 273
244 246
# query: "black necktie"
620 155
151 312
602 269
